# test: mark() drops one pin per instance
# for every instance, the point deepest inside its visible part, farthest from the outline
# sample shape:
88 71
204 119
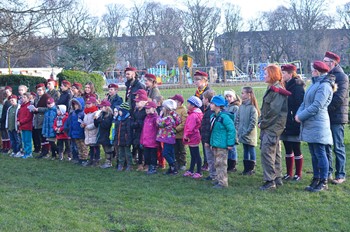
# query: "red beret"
320 66
200 73
91 100
178 97
40 85
66 83
289 68
12 97
141 97
50 100
33 94
151 104
332 56
8 87
77 85
130 69
150 76
141 91
49 80
105 103
113 86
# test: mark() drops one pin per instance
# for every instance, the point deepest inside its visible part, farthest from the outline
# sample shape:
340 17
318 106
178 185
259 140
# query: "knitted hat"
195 101
219 100
230 92
169 104
124 106
62 108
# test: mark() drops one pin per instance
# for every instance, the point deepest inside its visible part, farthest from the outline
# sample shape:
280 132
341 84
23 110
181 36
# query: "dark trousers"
195 159
180 152
37 139
150 155
63 145
54 148
95 152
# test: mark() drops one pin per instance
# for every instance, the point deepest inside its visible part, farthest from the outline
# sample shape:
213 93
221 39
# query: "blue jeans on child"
232 154
249 152
15 140
320 163
27 141
168 153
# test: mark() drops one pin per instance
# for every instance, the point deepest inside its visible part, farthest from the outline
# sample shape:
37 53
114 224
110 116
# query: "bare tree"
112 20
200 24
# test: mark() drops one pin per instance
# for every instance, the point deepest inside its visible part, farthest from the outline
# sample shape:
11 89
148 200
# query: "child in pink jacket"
148 137
192 135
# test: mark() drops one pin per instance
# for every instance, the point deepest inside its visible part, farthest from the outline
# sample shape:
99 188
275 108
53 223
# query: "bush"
16 80
82 77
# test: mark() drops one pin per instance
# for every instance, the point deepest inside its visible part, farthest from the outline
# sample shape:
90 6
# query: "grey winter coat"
313 113
246 123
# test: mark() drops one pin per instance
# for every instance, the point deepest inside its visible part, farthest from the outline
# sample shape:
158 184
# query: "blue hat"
219 100
195 101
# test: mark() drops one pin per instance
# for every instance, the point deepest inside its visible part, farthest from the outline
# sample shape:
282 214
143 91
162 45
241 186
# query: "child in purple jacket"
167 123
148 137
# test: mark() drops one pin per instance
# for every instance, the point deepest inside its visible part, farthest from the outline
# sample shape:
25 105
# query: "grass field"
45 195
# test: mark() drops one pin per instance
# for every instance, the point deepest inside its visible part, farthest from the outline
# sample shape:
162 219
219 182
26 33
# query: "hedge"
16 80
82 77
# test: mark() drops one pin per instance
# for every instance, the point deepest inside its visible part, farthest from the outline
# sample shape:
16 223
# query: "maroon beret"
141 97
130 69
320 66
49 80
332 56
200 73
77 85
33 94
50 100
178 97
151 104
66 83
141 91
12 97
113 86
150 76
105 103
289 68
8 87
91 100
40 85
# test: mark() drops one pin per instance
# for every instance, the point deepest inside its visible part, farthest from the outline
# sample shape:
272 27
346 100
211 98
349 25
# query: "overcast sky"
249 8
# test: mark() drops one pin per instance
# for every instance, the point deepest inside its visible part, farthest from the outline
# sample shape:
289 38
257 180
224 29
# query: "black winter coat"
6 106
205 126
115 101
123 133
138 119
296 87
136 85
103 123
65 98
339 107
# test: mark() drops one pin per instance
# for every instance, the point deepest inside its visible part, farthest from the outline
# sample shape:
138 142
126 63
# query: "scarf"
199 92
90 109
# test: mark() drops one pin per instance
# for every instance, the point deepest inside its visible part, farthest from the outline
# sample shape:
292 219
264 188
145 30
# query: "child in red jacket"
61 135
25 124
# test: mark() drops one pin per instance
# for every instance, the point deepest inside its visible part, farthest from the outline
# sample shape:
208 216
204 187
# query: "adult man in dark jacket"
338 114
132 85
66 94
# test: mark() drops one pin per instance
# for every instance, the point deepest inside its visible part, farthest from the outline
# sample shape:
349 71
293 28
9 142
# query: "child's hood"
63 109
79 101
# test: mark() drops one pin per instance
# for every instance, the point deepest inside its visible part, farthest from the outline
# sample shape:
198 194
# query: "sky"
249 8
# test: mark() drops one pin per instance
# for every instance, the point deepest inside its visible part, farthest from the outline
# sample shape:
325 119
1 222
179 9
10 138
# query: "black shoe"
322 185
286 177
269 185
208 178
313 184
278 181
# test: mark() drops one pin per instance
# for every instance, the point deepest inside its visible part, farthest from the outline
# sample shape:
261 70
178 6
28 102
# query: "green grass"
44 195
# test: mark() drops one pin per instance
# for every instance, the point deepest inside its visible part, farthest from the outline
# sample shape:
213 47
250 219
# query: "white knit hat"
169 104
195 101
62 108
230 92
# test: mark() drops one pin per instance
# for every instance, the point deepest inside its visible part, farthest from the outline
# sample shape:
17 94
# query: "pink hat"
105 103
151 104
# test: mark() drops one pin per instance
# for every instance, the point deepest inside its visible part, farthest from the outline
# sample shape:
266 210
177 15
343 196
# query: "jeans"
27 141
15 140
249 152
339 151
74 149
320 163
232 154
168 153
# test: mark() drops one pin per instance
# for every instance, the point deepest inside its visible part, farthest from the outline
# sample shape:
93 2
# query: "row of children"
89 124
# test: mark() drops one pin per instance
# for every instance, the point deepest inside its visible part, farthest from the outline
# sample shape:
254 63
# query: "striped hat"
125 106
195 101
